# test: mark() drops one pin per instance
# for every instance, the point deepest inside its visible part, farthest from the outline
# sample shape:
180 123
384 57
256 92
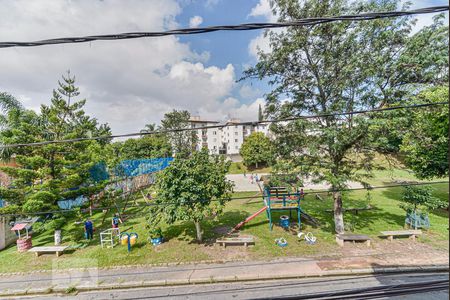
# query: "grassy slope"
180 246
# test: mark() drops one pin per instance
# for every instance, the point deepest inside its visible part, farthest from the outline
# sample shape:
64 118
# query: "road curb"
230 279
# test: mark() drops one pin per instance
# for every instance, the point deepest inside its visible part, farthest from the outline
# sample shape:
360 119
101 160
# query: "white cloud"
248 92
195 21
261 42
127 83
263 9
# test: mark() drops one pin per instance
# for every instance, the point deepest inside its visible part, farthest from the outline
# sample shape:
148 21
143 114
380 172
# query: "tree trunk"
199 232
338 216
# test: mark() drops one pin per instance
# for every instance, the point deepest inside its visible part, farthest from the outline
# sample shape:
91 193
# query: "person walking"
115 223
88 229
251 179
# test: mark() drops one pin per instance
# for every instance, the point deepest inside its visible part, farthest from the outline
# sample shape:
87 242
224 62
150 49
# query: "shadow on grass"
354 222
185 231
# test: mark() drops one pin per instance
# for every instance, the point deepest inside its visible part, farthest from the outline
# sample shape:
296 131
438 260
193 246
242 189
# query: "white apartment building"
224 140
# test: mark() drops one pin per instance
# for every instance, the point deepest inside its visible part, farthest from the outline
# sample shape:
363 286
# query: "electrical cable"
217 200
240 27
254 123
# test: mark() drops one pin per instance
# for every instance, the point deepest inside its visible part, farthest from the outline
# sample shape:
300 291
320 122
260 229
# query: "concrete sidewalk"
65 281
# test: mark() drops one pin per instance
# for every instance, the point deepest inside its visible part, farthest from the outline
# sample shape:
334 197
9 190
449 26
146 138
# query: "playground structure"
107 237
276 199
417 220
128 239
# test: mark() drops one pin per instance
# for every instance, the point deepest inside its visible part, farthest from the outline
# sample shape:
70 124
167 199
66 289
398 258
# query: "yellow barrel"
132 240
124 240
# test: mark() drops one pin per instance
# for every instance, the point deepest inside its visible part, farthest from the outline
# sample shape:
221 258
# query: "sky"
131 83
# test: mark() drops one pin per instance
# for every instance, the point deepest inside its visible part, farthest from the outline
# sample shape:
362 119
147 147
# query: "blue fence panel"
69 203
136 167
99 172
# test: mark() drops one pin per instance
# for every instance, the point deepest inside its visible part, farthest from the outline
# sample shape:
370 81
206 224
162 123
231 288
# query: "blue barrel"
284 221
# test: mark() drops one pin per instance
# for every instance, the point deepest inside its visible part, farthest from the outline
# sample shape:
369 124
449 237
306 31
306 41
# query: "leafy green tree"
419 198
425 143
8 104
182 142
149 128
51 172
257 149
192 189
340 67
145 147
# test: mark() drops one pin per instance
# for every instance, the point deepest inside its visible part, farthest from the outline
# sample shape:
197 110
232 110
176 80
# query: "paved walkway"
244 184
142 276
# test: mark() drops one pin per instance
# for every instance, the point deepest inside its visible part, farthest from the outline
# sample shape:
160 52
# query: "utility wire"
254 123
223 199
240 27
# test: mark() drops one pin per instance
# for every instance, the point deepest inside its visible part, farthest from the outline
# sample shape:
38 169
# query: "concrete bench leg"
58 253
340 242
413 237
390 238
37 253
368 243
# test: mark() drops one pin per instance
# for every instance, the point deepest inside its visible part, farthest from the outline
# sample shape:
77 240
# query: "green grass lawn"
181 247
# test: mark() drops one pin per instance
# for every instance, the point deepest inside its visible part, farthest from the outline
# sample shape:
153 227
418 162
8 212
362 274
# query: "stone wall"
7 237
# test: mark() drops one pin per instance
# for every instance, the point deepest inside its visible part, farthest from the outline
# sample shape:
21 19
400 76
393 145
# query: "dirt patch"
222 230
232 252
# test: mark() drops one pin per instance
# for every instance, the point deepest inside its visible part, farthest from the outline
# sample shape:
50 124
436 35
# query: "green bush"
33 205
10 209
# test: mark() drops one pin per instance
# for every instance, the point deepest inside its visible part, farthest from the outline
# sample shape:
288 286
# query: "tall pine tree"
56 171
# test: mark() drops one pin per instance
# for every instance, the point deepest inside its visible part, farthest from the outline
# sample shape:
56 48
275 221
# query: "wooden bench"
246 240
341 238
49 249
412 234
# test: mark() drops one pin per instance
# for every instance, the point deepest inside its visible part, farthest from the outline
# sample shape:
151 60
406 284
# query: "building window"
214 132
236 140
235 126
236 147
236 133
215 140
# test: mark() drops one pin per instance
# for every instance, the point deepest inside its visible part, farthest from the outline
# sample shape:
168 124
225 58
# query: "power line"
223 199
254 123
240 27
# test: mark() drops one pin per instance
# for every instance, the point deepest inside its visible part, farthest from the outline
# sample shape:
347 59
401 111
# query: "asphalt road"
307 288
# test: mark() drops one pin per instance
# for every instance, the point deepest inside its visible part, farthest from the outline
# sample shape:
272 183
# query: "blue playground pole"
129 238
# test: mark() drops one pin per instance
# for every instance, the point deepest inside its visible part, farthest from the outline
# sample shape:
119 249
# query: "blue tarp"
2 203
136 167
69 203
99 172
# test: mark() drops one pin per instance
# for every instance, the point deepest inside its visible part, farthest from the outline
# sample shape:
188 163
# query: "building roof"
19 226
203 121
197 119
